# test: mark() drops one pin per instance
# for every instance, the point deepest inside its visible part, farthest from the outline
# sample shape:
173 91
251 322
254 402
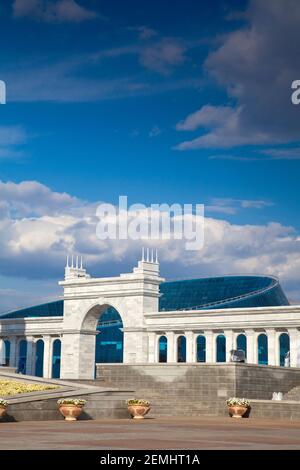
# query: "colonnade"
262 346
24 352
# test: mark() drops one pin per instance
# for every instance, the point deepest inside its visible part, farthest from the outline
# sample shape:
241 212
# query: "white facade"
135 296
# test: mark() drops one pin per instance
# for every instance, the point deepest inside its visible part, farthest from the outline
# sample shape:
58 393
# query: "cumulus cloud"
38 227
51 11
256 64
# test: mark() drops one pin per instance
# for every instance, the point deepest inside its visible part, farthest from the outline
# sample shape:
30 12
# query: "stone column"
210 349
13 351
135 345
271 334
251 343
294 347
189 335
277 349
78 355
229 343
152 347
171 347
30 356
2 352
47 364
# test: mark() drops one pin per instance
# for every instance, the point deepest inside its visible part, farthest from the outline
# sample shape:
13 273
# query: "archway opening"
56 354
181 349
201 348
110 337
7 351
162 349
284 348
241 343
22 356
221 348
262 349
39 358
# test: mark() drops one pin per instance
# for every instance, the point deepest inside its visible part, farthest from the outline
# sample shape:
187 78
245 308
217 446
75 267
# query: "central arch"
110 337
105 338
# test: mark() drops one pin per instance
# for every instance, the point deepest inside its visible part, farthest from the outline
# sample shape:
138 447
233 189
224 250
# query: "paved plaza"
160 433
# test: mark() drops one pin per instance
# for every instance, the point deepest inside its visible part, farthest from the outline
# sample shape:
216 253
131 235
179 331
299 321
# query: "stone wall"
99 406
201 389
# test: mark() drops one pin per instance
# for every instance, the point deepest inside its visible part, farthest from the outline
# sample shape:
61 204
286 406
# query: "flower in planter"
3 402
134 401
233 401
71 408
71 401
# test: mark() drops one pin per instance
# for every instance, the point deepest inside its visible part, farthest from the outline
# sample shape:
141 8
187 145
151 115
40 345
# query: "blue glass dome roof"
194 294
222 292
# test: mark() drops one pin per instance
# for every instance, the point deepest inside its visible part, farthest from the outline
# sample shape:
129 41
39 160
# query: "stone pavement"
160 433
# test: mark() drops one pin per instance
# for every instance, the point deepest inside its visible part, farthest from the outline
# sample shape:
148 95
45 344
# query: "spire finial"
143 254
152 256
81 262
77 262
147 255
72 264
67 265
156 256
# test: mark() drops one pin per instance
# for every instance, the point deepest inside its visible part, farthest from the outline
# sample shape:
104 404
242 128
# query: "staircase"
293 394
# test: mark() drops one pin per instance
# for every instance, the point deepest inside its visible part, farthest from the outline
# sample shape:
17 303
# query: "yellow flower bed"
10 387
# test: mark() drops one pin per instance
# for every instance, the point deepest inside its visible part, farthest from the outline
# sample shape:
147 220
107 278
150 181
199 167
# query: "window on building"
162 349
201 348
221 348
181 349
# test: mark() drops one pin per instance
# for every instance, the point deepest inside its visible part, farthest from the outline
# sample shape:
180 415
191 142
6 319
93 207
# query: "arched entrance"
181 348
22 356
221 348
163 349
7 351
110 337
284 347
262 349
39 358
56 355
201 348
241 343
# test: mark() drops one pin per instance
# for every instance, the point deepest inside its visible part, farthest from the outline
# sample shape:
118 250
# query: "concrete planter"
237 411
3 409
70 412
138 411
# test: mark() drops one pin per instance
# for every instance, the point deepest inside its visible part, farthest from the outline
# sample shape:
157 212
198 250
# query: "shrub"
3 402
238 402
134 401
71 401
13 387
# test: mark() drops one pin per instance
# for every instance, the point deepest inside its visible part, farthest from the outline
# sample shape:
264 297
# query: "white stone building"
153 331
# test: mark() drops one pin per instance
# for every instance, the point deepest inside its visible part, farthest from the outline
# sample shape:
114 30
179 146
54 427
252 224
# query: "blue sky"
188 104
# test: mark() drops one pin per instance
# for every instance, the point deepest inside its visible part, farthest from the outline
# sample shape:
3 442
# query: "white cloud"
226 129
10 138
232 206
52 11
256 64
163 56
38 227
